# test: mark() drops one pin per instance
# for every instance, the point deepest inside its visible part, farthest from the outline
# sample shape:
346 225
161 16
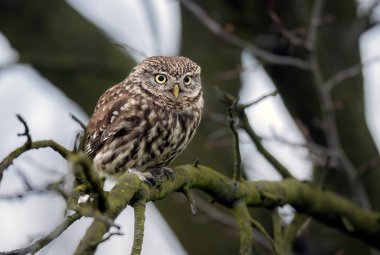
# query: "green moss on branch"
304 197
310 200
139 208
243 220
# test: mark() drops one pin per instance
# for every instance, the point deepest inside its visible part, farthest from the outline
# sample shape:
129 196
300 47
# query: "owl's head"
176 80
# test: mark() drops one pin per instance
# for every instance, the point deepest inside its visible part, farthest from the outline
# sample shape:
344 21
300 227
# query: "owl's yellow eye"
160 78
187 80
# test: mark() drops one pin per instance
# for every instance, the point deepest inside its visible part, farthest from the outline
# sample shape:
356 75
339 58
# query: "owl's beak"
176 90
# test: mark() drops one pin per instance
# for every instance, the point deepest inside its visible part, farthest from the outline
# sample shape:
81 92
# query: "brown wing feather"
106 111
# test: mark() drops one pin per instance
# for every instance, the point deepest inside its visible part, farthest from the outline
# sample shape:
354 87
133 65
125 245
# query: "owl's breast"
152 138
170 135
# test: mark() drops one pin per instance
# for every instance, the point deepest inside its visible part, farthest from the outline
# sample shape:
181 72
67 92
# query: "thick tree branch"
305 198
119 197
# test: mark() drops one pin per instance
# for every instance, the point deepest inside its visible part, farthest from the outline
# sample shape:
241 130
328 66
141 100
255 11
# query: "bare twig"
125 46
7 161
312 147
77 120
237 172
244 124
41 243
189 197
81 136
289 35
257 225
109 235
256 101
278 166
216 29
26 131
348 73
315 21
41 167
52 188
24 179
27 194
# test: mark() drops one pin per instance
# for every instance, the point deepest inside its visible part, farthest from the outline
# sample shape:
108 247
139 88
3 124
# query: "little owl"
141 124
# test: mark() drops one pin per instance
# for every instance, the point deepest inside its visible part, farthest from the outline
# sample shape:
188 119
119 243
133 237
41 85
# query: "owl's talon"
150 180
169 173
145 177
158 173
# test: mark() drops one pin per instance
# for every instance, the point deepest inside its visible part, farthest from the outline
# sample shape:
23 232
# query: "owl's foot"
154 176
146 177
162 171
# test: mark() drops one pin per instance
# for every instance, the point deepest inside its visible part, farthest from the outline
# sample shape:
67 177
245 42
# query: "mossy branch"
306 198
322 205
139 208
243 220
7 161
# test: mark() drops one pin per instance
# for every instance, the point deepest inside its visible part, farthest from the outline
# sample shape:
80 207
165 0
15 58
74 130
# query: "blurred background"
58 57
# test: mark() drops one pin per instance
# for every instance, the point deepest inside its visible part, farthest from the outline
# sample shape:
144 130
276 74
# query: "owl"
143 123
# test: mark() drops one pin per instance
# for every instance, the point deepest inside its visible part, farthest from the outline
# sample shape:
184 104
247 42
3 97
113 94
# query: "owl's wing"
102 123
103 126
